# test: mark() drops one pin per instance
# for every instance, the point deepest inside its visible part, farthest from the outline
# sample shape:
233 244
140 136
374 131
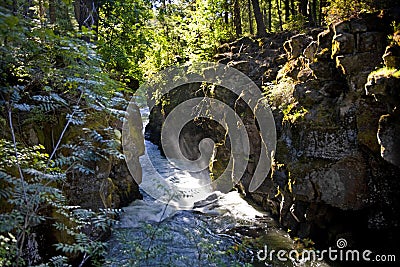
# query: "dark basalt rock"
336 165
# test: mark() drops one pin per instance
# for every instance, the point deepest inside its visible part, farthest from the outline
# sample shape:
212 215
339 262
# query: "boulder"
384 86
370 42
343 43
389 138
305 74
310 51
333 88
333 144
343 184
243 65
324 45
391 58
354 64
325 71
223 48
358 26
342 27
367 117
295 46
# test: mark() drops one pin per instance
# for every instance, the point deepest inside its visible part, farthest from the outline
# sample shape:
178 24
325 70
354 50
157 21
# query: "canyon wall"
335 98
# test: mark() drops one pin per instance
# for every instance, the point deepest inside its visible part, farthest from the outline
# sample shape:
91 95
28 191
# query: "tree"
303 7
292 7
269 15
279 11
287 10
87 14
237 20
313 12
259 19
250 17
322 4
226 12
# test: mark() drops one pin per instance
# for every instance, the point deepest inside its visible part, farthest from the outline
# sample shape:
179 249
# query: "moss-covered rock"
328 165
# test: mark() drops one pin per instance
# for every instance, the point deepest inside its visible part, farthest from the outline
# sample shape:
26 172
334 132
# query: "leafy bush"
338 10
53 82
295 23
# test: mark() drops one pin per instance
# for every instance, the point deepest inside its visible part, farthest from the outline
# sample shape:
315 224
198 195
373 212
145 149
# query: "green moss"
281 94
322 53
386 72
106 192
302 167
367 125
325 118
217 168
293 112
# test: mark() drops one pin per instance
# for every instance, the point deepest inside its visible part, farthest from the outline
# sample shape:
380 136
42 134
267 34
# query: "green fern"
43 78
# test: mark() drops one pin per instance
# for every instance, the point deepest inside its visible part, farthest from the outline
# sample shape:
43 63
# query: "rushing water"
212 233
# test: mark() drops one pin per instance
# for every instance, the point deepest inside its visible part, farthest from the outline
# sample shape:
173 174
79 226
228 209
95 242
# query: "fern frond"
82 169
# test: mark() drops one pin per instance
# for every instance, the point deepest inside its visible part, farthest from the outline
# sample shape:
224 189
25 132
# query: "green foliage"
395 25
8 249
338 10
294 112
140 250
196 28
295 23
72 86
52 81
138 41
125 36
32 196
386 72
83 222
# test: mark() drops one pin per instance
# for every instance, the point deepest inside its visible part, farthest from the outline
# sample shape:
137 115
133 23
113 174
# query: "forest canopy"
139 37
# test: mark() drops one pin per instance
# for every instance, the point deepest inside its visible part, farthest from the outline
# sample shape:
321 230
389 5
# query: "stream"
215 232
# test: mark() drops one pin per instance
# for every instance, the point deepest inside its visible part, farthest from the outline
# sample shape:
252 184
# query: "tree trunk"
23 9
226 17
287 10
14 7
322 4
270 15
258 16
226 12
279 15
87 14
265 17
250 17
314 12
237 21
52 11
303 7
292 7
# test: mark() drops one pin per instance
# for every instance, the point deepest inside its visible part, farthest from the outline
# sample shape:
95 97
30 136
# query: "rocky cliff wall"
335 98
110 185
